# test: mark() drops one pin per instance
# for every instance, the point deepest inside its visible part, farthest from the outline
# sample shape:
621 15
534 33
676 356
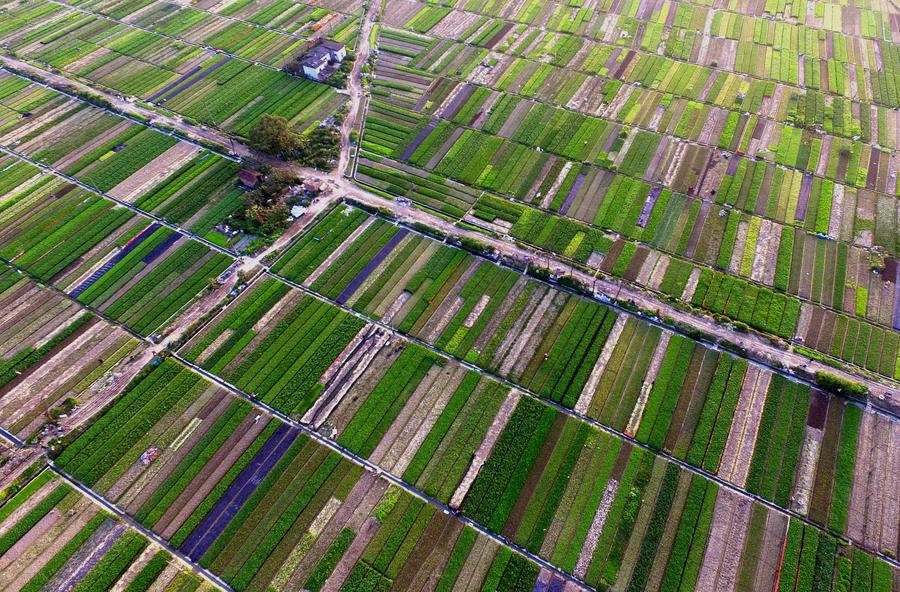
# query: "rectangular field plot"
55 356
265 31
179 74
276 343
56 230
136 272
262 505
224 475
53 537
176 180
793 208
160 272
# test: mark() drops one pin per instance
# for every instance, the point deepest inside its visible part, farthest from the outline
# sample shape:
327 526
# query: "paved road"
11 438
758 347
354 83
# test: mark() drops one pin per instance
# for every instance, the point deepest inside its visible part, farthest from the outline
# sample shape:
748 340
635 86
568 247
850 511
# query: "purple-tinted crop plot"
129 247
186 84
461 98
161 248
87 556
172 85
414 145
576 187
371 265
649 204
238 492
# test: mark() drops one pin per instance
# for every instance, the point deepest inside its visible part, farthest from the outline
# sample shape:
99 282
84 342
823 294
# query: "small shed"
249 179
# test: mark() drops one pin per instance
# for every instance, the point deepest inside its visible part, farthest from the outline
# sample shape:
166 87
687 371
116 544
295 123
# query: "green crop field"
462 296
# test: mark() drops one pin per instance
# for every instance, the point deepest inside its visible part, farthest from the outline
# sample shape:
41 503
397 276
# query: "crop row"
234 96
298 512
670 392
66 540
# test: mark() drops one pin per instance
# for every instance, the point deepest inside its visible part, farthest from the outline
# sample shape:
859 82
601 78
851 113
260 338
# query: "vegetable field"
130 162
54 537
53 354
170 61
605 296
710 409
261 504
600 145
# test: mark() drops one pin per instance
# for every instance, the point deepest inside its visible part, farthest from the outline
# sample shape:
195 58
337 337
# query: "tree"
841 386
320 148
273 135
265 210
268 219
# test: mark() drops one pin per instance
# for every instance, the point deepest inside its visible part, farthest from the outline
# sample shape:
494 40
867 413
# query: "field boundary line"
131 522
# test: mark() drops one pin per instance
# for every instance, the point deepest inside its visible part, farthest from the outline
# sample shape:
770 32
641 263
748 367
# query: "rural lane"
354 83
760 349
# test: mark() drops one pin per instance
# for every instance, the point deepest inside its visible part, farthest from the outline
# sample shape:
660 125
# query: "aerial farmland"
510 295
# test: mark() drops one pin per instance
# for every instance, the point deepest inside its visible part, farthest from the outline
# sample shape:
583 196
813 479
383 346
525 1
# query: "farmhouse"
249 179
323 60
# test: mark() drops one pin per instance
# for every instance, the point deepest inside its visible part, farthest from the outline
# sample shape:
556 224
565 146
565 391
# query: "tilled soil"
726 539
154 172
402 428
593 535
647 384
425 417
806 470
18 573
329 261
738 453
216 407
353 513
29 538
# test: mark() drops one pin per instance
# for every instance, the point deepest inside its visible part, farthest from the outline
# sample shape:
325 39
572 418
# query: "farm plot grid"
814 55
137 272
265 31
756 220
588 74
155 172
320 521
186 78
266 507
684 164
395 403
54 357
52 537
374 409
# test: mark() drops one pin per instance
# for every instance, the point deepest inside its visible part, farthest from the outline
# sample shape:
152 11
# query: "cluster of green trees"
266 209
319 148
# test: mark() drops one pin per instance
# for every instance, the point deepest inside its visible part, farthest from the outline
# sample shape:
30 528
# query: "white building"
322 60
